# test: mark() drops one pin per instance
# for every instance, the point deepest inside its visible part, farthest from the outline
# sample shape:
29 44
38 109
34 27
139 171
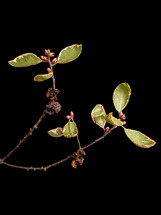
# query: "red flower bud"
45 59
54 61
107 130
71 115
49 70
68 117
52 54
47 52
122 116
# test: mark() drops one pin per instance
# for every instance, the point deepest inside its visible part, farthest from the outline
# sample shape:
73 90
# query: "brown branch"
25 137
58 162
34 127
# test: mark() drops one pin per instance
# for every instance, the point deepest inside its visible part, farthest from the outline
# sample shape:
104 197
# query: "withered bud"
54 61
78 162
124 122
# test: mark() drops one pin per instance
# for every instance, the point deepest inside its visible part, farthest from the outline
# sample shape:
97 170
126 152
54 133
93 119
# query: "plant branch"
25 137
99 139
2 162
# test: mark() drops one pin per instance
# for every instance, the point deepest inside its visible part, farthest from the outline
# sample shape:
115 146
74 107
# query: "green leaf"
139 138
57 132
112 120
40 78
69 54
121 96
98 114
70 130
25 60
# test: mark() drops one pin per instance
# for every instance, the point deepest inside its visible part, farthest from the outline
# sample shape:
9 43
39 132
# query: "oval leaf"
40 78
57 132
69 54
121 96
139 138
112 120
25 60
70 130
98 114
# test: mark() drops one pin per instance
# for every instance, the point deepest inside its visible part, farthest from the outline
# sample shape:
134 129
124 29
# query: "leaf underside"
139 138
112 120
98 114
70 130
41 78
25 60
69 54
121 96
57 132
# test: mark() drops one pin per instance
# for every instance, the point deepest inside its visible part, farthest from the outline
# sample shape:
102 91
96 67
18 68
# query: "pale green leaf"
98 114
25 60
69 54
40 78
121 96
57 132
112 120
139 138
70 130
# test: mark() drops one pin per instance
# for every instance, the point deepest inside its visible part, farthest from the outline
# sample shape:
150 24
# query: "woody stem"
25 137
58 162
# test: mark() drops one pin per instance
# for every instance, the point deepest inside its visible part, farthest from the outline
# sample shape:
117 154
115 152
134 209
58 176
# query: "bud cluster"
122 117
48 55
71 116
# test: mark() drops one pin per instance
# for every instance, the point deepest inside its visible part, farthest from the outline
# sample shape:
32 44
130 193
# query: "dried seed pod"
52 93
78 162
74 164
53 107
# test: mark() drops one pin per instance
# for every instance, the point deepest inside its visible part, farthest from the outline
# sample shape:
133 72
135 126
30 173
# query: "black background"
116 49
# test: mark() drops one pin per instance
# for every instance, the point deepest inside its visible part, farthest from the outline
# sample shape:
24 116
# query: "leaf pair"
121 98
100 117
70 130
67 55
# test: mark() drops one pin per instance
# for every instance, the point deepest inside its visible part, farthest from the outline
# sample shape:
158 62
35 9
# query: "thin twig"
97 140
53 78
25 137
58 162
